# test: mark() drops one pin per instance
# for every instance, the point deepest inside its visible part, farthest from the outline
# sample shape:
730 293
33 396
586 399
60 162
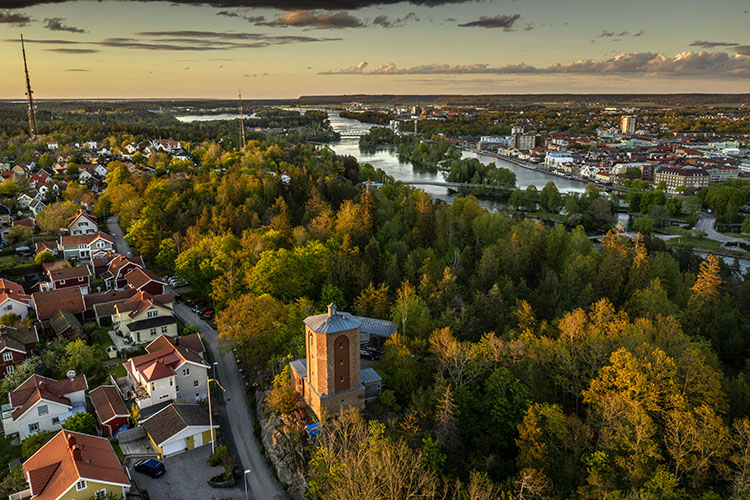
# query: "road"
707 223
262 482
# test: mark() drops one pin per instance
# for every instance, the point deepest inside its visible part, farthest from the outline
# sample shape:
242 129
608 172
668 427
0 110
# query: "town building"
556 160
82 223
687 177
145 280
627 124
66 299
525 142
330 378
72 466
69 277
83 246
117 266
173 369
43 404
13 299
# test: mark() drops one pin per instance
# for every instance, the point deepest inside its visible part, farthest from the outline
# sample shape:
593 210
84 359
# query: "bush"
282 399
217 456
84 423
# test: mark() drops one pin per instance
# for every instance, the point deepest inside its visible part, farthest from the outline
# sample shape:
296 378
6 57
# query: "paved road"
262 483
707 222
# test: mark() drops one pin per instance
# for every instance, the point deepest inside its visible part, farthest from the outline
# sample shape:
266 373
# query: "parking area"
187 476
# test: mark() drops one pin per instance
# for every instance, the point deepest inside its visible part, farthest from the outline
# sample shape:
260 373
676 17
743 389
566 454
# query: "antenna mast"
242 125
32 113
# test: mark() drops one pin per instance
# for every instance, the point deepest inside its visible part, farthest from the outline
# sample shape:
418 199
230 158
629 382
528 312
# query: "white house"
36 206
24 200
82 246
172 370
556 160
42 403
82 223
13 299
179 427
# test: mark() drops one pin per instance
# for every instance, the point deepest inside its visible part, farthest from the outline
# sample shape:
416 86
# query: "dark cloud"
56 24
239 14
17 19
385 22
687 64
73 51
743 50
609 34
43 41
312 19
710 45
504 22
274 4
640 33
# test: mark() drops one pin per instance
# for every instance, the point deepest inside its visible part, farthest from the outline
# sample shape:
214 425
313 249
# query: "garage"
178 427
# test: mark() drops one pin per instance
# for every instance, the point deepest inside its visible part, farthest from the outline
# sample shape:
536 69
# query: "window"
341 345
164 329
100 494
171 381
341 362
8 356
152 314
138 336
152 332
9 307
43 410
81 485
196 383
153 386
185 371
33 427
10 369
80 279
341 379
55 420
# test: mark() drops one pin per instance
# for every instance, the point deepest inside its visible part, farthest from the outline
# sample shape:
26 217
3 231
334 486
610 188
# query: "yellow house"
73 466
178 427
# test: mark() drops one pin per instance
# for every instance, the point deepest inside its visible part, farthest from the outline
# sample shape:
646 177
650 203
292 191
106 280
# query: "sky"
289 48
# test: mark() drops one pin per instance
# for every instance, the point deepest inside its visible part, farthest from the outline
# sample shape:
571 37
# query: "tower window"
341 345
341 379
341 362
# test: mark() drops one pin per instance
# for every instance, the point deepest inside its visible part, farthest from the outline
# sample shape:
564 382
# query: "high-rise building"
627 125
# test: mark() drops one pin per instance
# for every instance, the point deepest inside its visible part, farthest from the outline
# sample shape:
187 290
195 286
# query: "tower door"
341 363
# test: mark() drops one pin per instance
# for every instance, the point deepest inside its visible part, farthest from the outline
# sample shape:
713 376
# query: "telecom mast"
242 125
32 113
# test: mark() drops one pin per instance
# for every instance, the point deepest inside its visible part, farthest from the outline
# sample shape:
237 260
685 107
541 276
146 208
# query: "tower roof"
332 322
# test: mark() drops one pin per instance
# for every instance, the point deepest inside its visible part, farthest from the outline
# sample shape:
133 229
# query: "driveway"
186 477
262 482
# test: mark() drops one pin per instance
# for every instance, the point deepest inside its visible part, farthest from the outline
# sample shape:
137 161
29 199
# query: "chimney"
76 453
71 441
332 309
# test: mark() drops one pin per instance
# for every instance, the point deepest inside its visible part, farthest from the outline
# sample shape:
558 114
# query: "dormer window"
152 314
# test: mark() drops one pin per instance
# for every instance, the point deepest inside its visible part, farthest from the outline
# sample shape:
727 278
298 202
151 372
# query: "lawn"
680 231
702 244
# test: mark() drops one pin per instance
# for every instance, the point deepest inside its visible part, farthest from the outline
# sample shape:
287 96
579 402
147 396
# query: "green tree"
43 257
550 198
83 422
35 441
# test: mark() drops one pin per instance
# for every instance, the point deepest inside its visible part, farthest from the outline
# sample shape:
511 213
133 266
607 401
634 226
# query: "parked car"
198 306
194 301
207 313
150 467
367 355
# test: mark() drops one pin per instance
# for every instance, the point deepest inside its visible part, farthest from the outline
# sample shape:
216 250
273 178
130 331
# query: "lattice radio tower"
32 113
242 125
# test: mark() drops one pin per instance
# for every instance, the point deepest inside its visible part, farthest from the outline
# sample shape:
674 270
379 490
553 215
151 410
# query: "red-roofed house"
73 465
118 267
47 246
42 403
83 246
13 299
145 280
173 369
69 277
66 299
144 317
110 409
16 344
82 223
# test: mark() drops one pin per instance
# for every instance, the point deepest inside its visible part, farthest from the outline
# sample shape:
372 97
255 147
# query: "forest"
529 363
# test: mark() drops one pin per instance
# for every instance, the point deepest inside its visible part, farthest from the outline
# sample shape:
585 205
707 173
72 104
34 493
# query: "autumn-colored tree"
703 304
55 216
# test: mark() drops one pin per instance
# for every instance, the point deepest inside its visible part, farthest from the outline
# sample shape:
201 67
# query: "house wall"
109 429
45 422
92 487
16 359
82 283
186 389
151 334
12 306
162 391
83 225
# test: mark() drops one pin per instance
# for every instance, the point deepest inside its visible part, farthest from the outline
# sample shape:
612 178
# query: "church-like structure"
330 378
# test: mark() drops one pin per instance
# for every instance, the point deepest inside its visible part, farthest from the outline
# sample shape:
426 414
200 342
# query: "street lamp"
210 414
244 478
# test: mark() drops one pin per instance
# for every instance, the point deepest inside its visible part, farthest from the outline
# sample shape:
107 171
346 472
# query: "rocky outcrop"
283 448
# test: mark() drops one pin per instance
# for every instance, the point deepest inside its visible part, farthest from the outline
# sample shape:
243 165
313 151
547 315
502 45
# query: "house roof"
332 321
144 324
17 338
46 245
61 321
37 387
141 301
108 403
94 299
139 277
52 266
84 239
65 299
12 290
68 457
164 356
66 273
191 342
80 213
173 419
116 263
30 222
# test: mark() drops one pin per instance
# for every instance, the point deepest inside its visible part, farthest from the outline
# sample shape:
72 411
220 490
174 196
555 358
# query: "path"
262 482
707 224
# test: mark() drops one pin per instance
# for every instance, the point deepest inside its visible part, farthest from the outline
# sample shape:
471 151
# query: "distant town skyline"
285 49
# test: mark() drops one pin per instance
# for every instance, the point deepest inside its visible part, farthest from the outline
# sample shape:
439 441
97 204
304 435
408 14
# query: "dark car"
207 313
367 355
150 467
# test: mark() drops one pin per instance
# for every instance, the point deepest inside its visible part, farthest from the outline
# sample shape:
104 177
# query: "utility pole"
32 113
242 125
